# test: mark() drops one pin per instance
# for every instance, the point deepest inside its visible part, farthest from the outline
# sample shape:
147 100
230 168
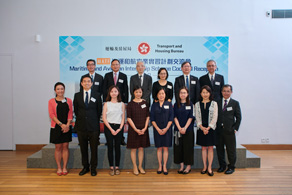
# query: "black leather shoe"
204 172
229 171
84 171
180 172
221 169
93 172
159 172
210 174
165 173
187 172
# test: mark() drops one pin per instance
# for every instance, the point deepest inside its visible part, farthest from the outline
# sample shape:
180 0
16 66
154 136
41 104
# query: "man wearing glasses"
188 80
214 81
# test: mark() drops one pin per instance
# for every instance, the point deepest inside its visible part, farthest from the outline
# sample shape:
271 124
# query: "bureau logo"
144 48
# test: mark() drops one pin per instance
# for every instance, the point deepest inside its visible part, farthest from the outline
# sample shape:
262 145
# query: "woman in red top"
61 114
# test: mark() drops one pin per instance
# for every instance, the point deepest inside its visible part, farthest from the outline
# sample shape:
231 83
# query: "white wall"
259 63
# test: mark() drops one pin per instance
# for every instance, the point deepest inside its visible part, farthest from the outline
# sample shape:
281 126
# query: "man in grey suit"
142 80
229 118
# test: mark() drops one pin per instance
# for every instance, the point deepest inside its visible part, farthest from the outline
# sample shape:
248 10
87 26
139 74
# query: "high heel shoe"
142 171
210 174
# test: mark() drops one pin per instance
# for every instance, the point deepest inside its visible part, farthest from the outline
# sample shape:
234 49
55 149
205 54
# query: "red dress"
138 112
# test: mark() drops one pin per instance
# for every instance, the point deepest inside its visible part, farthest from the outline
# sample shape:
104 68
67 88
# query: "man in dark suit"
87 108
214 81
142 80
190 81
97 79
229 118
119 79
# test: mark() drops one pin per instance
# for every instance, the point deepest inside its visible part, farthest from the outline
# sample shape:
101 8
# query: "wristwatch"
60 124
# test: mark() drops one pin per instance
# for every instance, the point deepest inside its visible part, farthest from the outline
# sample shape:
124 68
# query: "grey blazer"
147 86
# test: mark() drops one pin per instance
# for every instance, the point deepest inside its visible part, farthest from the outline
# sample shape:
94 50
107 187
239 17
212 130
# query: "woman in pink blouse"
61 114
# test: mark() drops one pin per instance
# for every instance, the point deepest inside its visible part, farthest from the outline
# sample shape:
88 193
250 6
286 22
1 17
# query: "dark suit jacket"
218 84
97 83
147 86
122 83
194 88
87 119
230 119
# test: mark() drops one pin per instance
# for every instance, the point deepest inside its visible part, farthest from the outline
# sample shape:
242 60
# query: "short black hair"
115 60
185 63
160 69
90 60
227 85
86 76
58 83
136 87
209 90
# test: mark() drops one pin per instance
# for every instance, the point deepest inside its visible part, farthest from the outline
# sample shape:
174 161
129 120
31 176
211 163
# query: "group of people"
204 103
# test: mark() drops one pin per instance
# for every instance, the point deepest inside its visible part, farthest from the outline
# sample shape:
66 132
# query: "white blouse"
114 112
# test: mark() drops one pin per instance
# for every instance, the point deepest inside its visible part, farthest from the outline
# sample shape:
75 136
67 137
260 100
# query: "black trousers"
113 141
83 138
228 140
184 152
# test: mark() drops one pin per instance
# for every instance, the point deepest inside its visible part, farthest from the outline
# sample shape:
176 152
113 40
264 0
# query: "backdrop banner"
156 52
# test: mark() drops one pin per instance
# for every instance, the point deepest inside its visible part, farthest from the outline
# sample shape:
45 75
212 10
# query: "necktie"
140 79
212 81
115 78
225 105
187 82
86 100
92 78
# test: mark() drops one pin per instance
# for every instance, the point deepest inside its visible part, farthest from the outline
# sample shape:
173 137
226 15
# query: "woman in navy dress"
183 132
161 118
206 112
162 83
138 135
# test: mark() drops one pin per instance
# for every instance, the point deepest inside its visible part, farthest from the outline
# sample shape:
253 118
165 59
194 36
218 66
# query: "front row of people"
88 109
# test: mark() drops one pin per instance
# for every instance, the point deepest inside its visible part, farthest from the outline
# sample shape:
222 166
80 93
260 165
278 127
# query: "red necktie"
115 78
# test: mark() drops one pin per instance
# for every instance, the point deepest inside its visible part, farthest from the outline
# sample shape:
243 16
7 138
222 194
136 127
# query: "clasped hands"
140 131
115 132
205 129
162 131
65 128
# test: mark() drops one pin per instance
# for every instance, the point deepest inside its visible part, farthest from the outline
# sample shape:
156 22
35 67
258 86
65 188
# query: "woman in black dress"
138 135
183 148
162 83
61 114
206 113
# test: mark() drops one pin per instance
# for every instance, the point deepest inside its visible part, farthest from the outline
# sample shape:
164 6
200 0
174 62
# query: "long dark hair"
209 90
187 100
109 98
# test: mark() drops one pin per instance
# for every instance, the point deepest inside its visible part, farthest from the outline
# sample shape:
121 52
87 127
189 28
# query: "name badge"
64 100
217 83
143 106
229 108
193 82
166 106
169 86
188 107
121 80
96 83
93 99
